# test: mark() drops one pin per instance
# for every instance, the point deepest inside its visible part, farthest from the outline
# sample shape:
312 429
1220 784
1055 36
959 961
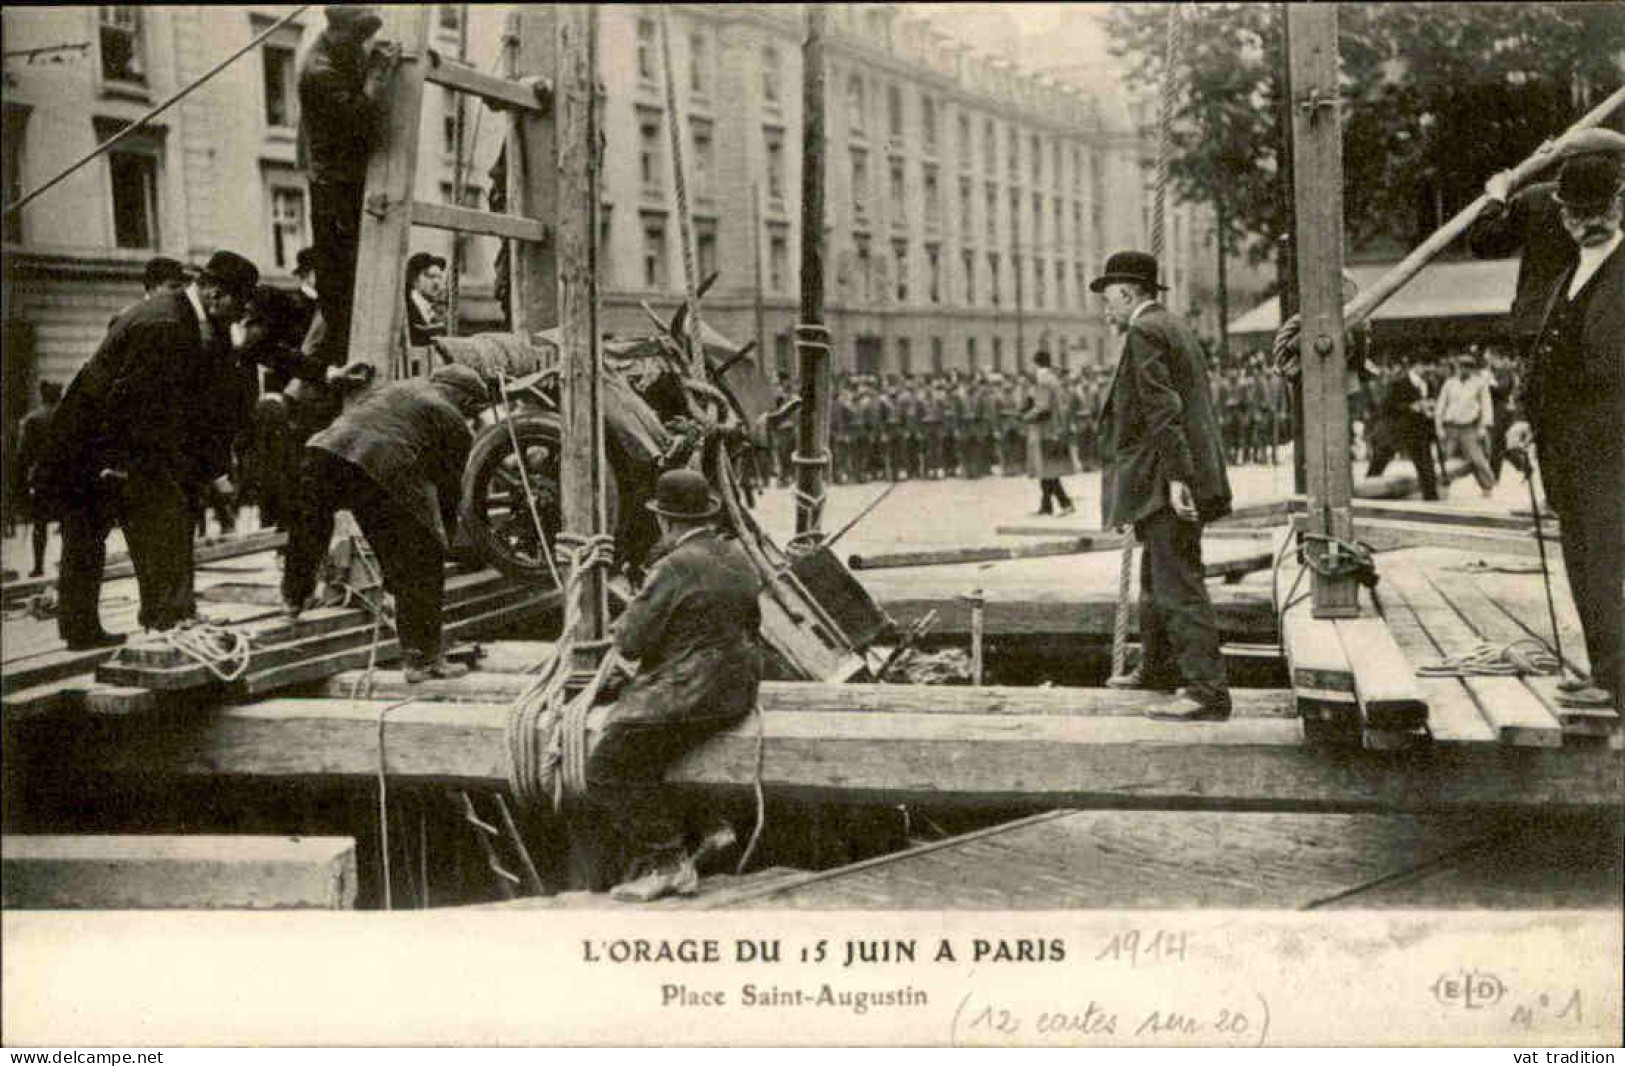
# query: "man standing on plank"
1163 472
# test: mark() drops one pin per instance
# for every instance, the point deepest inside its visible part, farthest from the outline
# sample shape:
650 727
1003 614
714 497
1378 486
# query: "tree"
1436 98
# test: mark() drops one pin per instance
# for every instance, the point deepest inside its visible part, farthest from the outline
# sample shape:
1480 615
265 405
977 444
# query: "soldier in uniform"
840 433
886 429
953 420
931 414
867 431
905 429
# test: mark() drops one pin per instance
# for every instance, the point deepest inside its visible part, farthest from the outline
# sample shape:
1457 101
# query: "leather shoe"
1136 679
1589 696
1190 707
674 876
96 640
419 670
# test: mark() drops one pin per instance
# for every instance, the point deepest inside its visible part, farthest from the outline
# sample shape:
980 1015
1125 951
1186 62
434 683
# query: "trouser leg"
40 536
322 479
1059 492
85 525
1467 441
1382 453
1427 476
1173 550
158 529
413 565
1593 536
335 214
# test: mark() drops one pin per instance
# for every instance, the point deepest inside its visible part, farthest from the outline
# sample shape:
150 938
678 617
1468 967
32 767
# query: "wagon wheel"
494 504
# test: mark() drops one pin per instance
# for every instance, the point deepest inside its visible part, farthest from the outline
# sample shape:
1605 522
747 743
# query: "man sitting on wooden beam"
693 630
395 461
1163 473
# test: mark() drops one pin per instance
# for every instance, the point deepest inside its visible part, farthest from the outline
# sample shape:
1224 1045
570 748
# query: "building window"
773 137
994 288
936 355
1038 219
992 212
651 162
928 123
16 127
277 58
899 254
1037 155
1055 177
965 155
905 356
998 353
448 122
778 259
1018 279
646 50
289 229
854 102
1014 145
898 198
1077 225
894 111
990 148
135 198
782 354
451 16
771 74
967 265
699 73
1080 286
866 272
654 251
1039 287
860 183
704 157
933 273
705 247
933 197
1077 172
965 207
970 353
1015 215
119 33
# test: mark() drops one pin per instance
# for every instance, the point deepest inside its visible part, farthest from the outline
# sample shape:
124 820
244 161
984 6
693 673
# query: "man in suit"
1164 474
1047 453
693 630
32 435
395 461
1406 424
1574 396
137 435
425 290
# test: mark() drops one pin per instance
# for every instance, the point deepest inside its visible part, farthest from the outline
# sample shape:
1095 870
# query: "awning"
1462 289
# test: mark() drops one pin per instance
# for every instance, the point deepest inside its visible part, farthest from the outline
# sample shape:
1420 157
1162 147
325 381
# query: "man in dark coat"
128 447
425 291
1574 395
341 88
395 461
693 631
1405 423
33 434
1164 474
1047 454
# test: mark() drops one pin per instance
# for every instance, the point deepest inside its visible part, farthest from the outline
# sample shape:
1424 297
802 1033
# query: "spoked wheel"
494 503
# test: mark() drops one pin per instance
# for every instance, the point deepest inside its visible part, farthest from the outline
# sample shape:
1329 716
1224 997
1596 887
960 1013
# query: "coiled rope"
1519 658
225 653
1165 123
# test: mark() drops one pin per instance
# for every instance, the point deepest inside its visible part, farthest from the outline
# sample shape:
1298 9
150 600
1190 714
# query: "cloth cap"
343 16
683 493
1128 266
462 385
232 272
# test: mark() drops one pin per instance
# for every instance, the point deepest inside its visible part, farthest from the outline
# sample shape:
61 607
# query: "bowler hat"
232 272
683 493
1128 266
305 261
1587 183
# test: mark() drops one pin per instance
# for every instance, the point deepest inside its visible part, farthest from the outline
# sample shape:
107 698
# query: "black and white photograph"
857 524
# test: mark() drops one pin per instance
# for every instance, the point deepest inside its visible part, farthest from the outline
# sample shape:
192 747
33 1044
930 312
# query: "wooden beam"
812 337
581 414
1432 512
469 220
1317 159
1245 614
1384 682
1322 679
495 91
1245 564
971 759
533 174
177 873
1387 534
1104 540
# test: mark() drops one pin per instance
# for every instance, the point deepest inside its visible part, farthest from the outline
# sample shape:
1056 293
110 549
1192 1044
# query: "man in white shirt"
1463 420
425 289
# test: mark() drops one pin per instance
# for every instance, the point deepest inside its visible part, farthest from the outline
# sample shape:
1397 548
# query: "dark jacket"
693 629
128 407
420 330
411 440
1529 223
1157 425
338 120
1405 424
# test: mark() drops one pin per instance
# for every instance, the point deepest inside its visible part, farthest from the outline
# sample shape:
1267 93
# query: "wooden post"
812 337
1317 137
758 304
1286 260
576 224
459 182
378 308
692 328
533 177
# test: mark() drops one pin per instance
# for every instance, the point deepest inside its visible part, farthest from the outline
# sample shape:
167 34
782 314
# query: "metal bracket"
543 88
378 205
1311 102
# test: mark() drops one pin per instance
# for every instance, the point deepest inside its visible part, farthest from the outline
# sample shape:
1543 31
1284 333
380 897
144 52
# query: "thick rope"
1165 108
383 801
1519 658
685 225
224 652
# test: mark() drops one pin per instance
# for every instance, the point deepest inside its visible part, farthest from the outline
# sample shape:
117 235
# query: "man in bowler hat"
137 436
1163 473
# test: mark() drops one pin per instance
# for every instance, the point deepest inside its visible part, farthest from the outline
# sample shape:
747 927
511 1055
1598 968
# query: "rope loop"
224 652
1342 558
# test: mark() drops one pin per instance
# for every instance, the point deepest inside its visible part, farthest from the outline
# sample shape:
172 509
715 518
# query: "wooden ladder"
391 209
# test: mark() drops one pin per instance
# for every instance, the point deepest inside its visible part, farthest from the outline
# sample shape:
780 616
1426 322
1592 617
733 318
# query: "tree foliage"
1436 97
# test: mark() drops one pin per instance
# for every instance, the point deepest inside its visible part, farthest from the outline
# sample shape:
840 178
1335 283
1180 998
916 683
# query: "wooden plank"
461 77
178 872
1243 564
1435 512
1453 716
972 760
1384 681
1245 614
1322 678
1105 540
471 220
1387 534
1317 171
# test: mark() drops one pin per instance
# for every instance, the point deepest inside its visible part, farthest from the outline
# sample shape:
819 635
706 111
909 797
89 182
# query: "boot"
420 668
718 842
670 875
